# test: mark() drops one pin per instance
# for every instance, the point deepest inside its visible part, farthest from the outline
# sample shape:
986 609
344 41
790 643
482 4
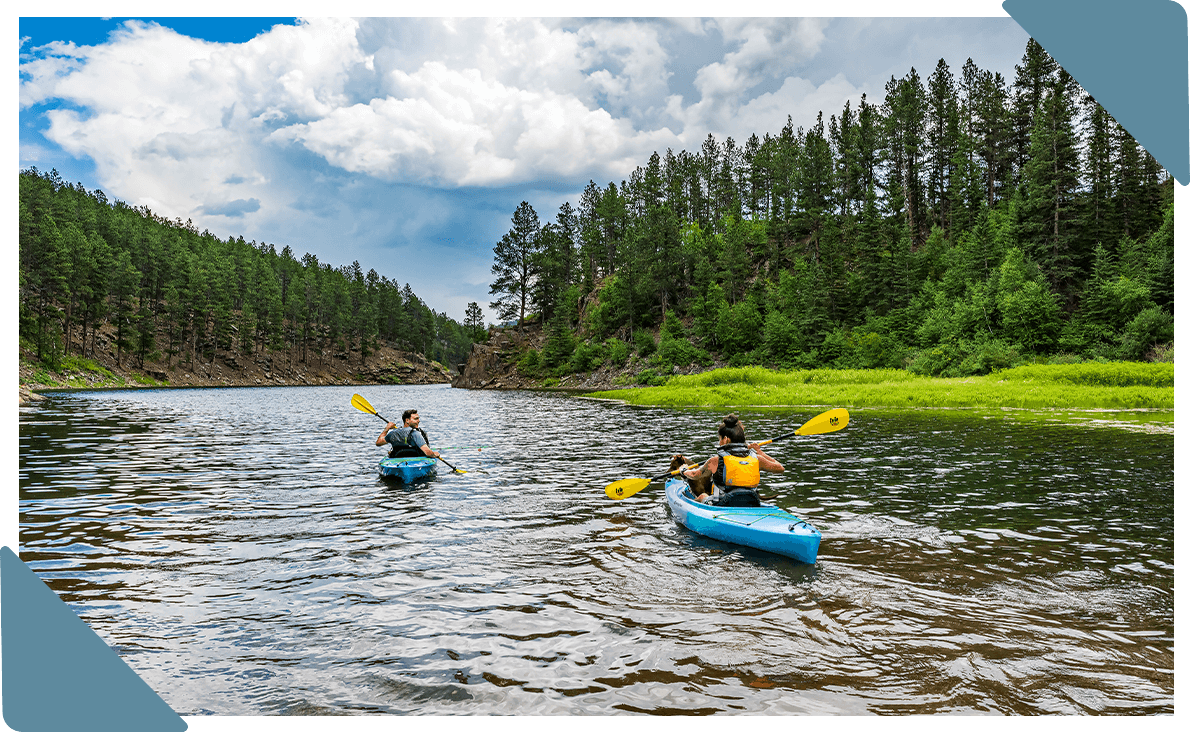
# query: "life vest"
739 467
406 446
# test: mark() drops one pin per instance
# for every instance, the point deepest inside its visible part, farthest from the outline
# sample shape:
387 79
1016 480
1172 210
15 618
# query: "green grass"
72 373
1065 386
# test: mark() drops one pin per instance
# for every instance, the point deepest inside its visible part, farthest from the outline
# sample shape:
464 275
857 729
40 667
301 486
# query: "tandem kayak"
407 469
769 528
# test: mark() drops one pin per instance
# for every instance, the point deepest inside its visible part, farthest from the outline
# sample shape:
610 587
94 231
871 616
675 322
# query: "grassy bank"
1067 386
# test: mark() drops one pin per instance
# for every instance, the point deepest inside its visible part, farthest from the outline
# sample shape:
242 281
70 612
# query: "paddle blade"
453 468
834 420
621 489
361 404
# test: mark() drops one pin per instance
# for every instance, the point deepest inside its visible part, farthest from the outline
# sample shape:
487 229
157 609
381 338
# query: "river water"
237 549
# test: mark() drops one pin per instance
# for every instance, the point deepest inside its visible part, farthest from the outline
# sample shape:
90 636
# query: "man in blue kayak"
407 441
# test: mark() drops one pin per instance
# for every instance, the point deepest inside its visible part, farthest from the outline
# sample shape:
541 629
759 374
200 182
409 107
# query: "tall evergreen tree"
1097 222
1034 76
1050 183
905 130
515 265
942 133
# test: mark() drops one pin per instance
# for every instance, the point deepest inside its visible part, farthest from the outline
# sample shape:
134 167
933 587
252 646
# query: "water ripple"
236 547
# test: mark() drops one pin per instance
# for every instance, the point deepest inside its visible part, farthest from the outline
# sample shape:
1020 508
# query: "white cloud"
799 99
765 50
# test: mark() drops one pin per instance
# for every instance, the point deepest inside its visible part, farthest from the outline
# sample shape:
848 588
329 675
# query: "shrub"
558 346
616 351
1161 353
588 356
988 356
529 365
645 345
1150 327
681 352
964 358
937 360
649 377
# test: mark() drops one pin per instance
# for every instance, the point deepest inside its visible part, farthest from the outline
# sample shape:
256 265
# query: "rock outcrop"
492 365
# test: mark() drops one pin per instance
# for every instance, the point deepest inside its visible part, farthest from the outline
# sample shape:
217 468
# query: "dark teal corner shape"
59 675
1128 54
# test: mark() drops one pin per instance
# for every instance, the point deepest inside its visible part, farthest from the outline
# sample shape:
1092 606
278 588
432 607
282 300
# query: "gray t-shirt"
402 436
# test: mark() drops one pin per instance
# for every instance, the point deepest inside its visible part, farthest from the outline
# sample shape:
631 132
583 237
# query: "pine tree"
942 133
473 322
1097 221
1034 76
515 265
904 127
1050 183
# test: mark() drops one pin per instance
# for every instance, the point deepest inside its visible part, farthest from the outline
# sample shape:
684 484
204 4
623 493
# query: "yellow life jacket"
739 467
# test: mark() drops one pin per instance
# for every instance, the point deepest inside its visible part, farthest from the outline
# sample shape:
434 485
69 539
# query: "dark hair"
408 413
731 428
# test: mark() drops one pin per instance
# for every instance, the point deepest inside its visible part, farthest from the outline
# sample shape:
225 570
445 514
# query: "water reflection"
238 549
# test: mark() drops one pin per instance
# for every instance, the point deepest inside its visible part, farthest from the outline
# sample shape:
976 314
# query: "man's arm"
424 446
381 441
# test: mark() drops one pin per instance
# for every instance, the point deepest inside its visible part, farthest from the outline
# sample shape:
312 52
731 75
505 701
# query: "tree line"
175 295
962 225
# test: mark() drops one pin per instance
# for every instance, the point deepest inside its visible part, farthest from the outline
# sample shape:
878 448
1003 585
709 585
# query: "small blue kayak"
769 528
407 469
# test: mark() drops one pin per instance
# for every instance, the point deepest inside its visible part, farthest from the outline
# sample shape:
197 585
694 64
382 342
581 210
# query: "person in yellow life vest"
734 469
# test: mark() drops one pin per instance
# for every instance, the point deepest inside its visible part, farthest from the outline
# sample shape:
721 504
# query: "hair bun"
731 420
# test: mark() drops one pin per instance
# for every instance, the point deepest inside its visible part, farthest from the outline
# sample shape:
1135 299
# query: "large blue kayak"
407 469
769 528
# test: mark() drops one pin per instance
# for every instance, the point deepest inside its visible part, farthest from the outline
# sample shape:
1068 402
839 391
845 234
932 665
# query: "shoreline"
1119 393
1139 419
102 372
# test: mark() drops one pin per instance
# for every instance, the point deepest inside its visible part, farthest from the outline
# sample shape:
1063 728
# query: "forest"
964 225
171 293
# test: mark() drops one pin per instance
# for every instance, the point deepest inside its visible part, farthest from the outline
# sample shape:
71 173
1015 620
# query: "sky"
407 143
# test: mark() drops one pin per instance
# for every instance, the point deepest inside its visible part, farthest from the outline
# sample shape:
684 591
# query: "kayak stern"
769 528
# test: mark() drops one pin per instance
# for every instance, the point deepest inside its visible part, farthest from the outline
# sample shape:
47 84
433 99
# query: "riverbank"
1098 387
385 366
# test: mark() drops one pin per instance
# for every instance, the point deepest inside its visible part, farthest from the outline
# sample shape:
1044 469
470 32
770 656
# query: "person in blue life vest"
408 440
734 468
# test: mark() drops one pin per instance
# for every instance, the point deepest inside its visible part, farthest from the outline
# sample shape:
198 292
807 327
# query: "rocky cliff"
492 365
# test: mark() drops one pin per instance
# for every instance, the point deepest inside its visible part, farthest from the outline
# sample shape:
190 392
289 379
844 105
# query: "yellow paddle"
832 421
362 405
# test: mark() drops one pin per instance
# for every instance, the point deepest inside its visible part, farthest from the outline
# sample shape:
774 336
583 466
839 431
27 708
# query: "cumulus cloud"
797 99
763 50
444 103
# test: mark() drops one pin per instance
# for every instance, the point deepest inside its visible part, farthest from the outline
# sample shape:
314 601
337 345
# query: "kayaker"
735 468
408 440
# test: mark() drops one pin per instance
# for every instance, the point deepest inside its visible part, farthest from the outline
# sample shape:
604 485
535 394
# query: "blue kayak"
407 469
769 528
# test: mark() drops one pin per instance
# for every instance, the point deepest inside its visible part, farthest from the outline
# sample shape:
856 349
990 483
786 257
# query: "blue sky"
406 143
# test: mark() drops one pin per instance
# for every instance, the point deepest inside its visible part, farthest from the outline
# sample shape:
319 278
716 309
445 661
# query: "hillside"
226 368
